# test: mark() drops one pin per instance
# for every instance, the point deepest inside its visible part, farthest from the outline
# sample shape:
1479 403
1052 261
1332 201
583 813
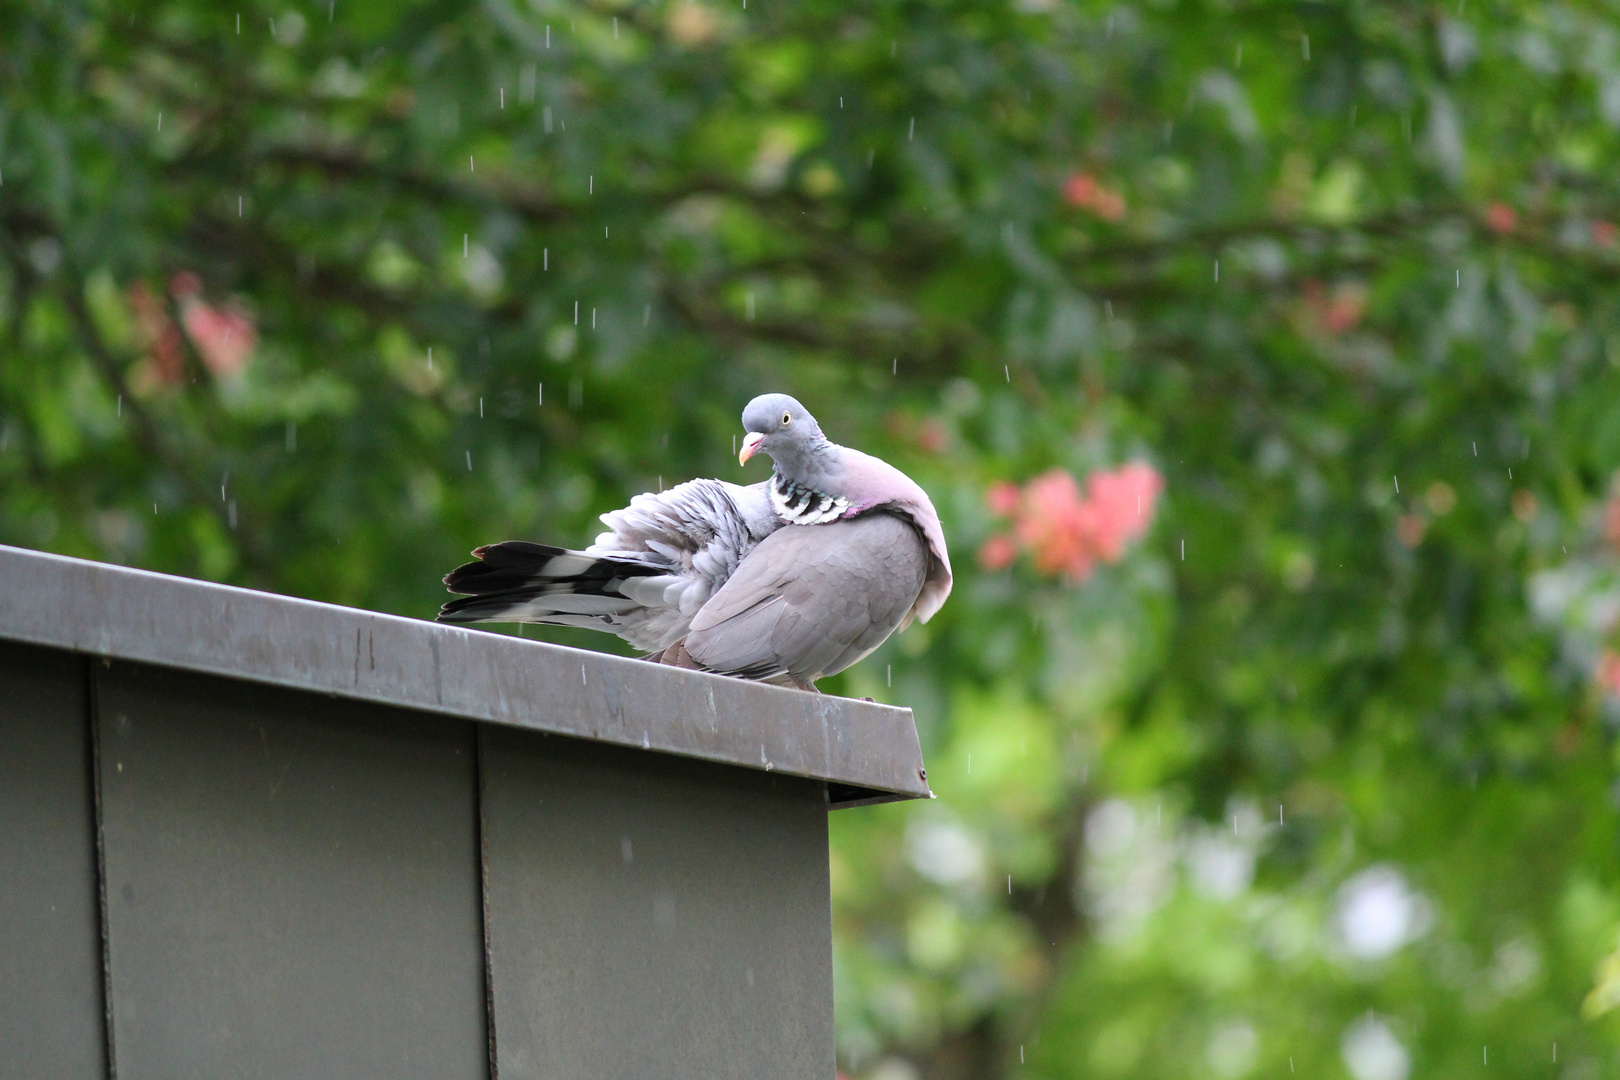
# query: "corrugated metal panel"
292 882
652 917
867 752
50 953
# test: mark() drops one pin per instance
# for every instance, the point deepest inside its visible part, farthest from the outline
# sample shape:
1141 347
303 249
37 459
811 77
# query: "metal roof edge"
867 750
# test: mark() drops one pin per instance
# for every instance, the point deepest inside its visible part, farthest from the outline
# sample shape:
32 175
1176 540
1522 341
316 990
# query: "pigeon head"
784 429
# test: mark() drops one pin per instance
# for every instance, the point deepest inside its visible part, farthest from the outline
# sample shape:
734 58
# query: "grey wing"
810 600
701 530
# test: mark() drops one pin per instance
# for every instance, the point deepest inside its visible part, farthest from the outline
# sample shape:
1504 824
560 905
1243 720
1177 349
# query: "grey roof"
867 752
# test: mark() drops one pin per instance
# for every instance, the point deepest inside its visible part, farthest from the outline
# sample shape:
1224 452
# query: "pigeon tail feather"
643 579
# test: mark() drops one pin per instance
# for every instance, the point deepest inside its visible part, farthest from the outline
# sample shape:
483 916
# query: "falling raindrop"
430 358
871 155
1459 279
238 30
239 206
888 669
545 258
615 28
465 242
548 45
1009 884
160 120
576 312
480 407
503 97
1007 372
646 314
469 461
1217 270
1397 485
1183 550
896 370
120 404
1476 448
911 133
1108 305
590 184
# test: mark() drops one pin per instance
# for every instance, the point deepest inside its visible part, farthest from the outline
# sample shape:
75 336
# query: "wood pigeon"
783 581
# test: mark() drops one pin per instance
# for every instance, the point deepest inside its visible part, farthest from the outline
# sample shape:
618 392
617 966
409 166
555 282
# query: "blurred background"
1263 360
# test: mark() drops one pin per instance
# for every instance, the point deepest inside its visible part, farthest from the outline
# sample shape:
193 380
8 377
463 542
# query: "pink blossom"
156 334
1066 531
225 337
1003 498
1501 218
1086 192
1607 675
998 552
1053 525
1611 522
1124 505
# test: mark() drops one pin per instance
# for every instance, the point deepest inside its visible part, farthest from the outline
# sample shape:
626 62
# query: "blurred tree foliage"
1320 778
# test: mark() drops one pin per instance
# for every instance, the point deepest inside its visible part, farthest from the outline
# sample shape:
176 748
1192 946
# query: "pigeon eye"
787 418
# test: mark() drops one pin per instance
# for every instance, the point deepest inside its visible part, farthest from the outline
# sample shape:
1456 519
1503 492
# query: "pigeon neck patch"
797 504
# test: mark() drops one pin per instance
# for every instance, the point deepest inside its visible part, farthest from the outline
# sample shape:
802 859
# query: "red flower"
1611 522
1501 218
1067 532
1124 502
1339 310
1002 498
1607 675
225 338
1604 233
998 552
1084 191
1055 525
